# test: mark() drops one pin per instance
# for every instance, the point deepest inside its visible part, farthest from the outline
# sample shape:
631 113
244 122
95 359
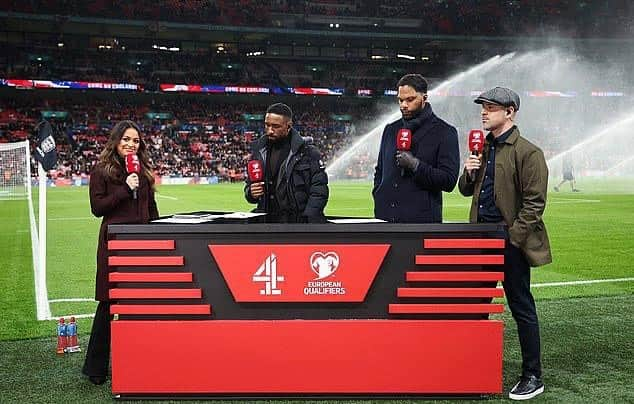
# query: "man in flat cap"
295 184
508 183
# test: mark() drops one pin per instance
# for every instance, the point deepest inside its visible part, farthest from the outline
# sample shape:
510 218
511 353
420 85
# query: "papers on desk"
197 218
185 220
353 220
241 215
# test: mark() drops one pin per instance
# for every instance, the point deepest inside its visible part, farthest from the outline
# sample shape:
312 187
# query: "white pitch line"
586 282
72 218
534 285
43 308
72 315
468 203
167 197
567 201
576 199
74 299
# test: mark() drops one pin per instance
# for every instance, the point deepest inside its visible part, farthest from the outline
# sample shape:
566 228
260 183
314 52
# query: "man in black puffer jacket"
408 185
295 186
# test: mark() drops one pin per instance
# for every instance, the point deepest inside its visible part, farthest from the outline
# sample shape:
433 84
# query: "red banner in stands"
299 273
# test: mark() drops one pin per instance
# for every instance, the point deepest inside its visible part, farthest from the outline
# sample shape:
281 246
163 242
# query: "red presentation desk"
272 310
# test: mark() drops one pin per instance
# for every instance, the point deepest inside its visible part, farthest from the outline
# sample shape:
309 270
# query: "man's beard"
412 114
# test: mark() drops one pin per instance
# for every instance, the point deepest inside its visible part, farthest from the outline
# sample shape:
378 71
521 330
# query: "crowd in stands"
199 139
447 17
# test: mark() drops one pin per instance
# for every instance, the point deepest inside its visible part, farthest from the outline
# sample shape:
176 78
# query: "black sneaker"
527 388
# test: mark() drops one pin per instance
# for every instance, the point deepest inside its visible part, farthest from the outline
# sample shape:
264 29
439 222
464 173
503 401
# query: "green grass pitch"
587 329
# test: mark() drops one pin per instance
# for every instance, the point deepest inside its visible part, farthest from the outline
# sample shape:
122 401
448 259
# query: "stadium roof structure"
178 31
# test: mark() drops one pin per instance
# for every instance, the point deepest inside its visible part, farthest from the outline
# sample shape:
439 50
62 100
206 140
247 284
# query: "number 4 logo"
267 273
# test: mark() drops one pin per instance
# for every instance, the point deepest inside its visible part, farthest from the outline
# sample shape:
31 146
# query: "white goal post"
15 184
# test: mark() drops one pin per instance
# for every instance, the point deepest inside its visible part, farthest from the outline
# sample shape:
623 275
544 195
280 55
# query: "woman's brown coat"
112 200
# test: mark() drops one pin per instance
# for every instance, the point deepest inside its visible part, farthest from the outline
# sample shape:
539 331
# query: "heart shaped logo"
324 264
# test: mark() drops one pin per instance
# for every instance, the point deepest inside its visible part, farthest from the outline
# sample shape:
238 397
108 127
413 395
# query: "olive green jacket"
521 183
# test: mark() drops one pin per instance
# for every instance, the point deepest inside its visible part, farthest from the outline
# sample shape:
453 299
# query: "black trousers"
517 280
98 352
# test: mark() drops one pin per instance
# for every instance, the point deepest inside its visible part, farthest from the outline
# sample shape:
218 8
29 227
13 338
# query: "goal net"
15 171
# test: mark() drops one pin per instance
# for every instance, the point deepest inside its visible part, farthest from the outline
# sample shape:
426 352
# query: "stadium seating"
202 139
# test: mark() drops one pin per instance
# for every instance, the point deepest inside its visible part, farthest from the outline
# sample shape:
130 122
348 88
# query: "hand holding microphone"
133 167
476 144
404 158
256 176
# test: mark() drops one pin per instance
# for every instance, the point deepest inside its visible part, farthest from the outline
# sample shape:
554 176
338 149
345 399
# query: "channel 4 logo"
267 273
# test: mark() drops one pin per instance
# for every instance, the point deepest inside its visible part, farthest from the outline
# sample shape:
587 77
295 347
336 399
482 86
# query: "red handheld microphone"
476 144
403 143
476 141
255 171
404 140
132 166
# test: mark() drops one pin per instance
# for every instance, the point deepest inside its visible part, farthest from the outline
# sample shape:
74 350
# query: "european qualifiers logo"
267 273
324 265
298 272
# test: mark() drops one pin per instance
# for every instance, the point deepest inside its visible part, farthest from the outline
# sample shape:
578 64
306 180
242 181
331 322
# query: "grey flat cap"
500 96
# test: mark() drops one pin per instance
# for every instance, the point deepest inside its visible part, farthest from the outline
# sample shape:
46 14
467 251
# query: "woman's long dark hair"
112 162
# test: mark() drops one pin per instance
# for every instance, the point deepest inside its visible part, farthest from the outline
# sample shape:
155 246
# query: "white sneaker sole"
526 396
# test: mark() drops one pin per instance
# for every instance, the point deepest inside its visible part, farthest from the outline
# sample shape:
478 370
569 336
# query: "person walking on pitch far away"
568 174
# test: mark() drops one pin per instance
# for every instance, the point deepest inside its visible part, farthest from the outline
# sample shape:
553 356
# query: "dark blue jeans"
517 280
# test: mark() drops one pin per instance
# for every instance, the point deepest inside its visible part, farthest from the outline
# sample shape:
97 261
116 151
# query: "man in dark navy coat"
408 185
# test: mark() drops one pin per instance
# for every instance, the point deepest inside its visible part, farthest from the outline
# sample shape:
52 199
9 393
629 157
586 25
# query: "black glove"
406 159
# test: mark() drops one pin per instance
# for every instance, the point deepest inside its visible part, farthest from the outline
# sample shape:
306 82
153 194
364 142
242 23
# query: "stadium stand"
200 136
199 139
447 17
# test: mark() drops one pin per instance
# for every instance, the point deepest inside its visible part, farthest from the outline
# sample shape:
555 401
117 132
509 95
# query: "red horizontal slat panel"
460 259
149 293
145 261
150 277
160 309
444 308
458 276
140 244
463 243
449 292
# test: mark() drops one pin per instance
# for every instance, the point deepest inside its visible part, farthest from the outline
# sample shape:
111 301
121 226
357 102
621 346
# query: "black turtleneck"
277 154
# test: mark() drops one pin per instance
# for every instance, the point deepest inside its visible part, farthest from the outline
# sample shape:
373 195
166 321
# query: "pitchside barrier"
241 309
